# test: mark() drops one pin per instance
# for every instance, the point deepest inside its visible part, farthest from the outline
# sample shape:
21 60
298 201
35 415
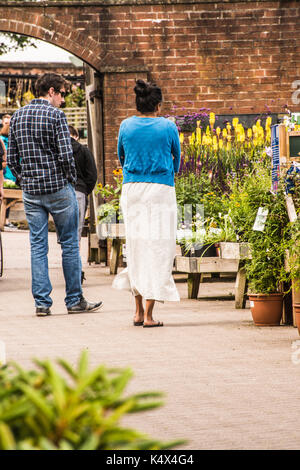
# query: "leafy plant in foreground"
80 409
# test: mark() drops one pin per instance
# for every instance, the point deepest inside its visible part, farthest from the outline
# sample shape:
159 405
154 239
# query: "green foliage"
110 193
76 98
45 409
10 42
292 234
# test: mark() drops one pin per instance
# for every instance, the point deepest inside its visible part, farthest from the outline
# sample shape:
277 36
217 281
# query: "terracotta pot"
266 309
296 308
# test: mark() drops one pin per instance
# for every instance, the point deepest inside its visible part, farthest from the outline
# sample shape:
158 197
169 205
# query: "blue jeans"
63 207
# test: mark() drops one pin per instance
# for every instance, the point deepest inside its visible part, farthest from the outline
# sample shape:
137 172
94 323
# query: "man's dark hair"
73 131
148 96
47 81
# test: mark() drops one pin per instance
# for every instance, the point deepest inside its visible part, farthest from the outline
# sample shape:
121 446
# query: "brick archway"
49 28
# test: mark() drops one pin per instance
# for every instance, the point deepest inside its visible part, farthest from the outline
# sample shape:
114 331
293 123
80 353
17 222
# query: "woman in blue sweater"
149 152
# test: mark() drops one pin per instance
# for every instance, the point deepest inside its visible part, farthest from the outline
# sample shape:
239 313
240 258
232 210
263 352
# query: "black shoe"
83 278
42 311
84 306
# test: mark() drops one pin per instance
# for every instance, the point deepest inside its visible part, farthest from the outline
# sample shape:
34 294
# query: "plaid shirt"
40 153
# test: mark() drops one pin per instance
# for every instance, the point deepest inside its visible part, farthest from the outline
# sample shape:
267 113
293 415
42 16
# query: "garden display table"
115 232
11 196
230 261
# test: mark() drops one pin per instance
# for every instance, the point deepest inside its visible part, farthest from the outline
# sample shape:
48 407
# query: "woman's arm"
121 152
175 148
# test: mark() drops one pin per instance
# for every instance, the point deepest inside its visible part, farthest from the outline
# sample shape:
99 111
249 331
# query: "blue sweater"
146 147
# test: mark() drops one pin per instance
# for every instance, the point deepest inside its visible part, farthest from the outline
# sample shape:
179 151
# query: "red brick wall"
233 57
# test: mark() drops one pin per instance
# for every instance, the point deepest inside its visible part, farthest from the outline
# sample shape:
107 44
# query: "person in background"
7 174
149 152
2 162
86 177
40 156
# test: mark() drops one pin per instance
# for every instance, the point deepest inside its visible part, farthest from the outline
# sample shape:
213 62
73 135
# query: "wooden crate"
231 250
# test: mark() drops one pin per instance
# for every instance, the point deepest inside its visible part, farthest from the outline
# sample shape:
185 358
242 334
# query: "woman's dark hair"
148 96
73 131
47 81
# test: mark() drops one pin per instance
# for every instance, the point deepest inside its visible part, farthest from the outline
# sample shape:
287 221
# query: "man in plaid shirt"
40 156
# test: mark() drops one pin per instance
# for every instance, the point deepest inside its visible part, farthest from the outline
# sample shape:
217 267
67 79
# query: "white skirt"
150 217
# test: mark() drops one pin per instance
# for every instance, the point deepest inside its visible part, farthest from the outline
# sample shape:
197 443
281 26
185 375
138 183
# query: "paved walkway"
228 384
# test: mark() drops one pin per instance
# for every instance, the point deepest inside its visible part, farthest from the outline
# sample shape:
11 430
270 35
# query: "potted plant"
205 236
266 268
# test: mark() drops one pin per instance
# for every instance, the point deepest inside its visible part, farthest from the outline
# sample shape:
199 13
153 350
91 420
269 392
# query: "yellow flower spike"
229 137
249 133
220 144
228 146
181 137
258 122
228 127
254 128
268 121
212 118
235 121
215 140
207 130
240 128
198 135
224 133
198 124
215 147
218 131
242 138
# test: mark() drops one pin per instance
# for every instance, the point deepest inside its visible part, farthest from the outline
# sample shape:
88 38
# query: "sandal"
153 325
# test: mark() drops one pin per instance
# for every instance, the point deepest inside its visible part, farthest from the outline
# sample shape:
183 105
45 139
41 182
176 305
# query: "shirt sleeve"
64 147
13 158
121 151
175 149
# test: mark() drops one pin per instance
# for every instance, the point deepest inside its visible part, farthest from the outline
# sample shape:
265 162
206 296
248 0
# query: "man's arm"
64 147
13 159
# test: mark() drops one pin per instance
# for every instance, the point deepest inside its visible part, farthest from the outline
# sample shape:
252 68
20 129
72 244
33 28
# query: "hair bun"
142 88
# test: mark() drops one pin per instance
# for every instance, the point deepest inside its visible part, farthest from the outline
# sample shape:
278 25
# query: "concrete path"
228 384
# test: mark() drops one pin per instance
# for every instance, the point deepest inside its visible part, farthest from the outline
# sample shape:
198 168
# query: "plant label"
260 220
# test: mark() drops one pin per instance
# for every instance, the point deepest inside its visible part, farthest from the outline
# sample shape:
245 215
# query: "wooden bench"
230 261
11 197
